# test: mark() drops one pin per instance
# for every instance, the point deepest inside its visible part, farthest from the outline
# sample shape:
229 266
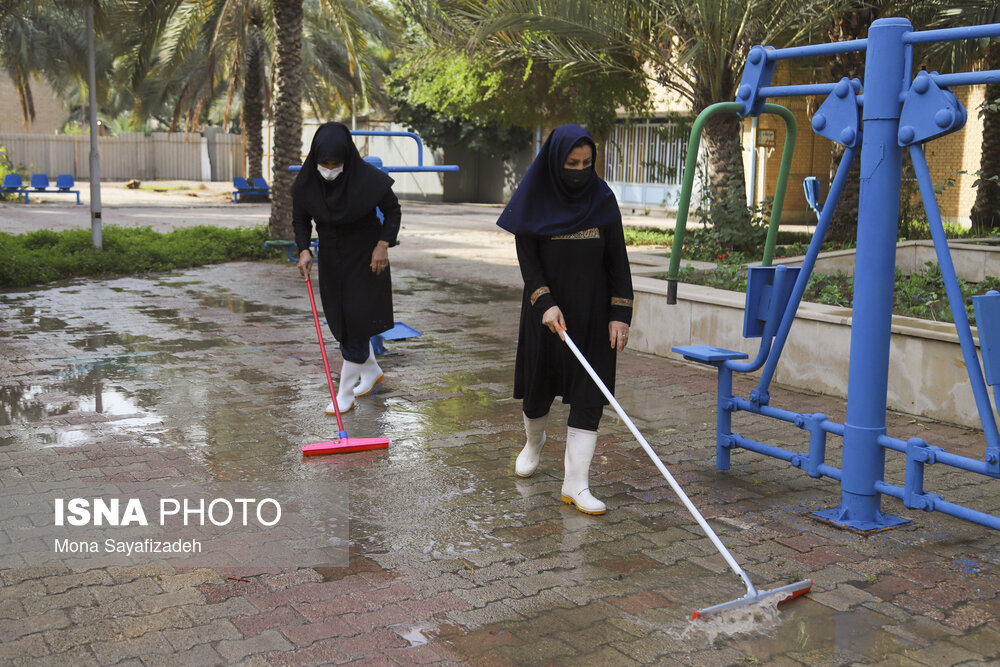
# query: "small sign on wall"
765 138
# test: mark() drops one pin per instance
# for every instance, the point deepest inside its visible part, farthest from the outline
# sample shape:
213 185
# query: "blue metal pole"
843 171
874 277
724 418
957 303
817 443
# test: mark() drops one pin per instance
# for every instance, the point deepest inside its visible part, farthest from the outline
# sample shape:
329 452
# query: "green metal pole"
791 130
687 186
690 165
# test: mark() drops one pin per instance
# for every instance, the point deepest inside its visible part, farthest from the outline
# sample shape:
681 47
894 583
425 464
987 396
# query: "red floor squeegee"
341 444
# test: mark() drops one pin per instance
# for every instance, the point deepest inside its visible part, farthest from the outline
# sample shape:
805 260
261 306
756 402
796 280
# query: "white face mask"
330 174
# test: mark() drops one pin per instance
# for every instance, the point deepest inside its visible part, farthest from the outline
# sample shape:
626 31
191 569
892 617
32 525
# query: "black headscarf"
354 194
542 205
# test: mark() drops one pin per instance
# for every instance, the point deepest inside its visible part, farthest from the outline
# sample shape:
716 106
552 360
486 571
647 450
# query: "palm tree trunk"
287 113
986 210
725 158
726 178
848 26
253 100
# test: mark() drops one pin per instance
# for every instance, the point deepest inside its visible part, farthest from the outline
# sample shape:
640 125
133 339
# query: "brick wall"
947 156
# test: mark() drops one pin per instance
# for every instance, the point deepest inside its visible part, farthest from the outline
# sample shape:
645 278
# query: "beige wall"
49 111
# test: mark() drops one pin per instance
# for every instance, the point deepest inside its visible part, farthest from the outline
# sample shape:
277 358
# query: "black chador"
571 250
357 302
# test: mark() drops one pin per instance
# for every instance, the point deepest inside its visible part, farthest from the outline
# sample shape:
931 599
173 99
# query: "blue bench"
13 184
260 188
65 183
41 183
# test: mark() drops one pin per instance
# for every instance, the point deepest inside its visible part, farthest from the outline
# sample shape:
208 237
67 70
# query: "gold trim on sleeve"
538 293
619 301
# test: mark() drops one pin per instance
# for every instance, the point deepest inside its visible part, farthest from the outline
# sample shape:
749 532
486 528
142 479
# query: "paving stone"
136 626
152 643
185 638
842 598
234 650
38 623
198 656
31 646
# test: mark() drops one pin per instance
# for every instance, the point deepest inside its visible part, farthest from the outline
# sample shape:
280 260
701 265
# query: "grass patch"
648 236
921 294
43 256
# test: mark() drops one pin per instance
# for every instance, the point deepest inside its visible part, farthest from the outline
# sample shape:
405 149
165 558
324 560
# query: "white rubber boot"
350 373
371 374
527 460
580 446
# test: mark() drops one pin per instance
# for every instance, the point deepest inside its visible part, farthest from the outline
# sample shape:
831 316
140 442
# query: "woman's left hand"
380 257
618 333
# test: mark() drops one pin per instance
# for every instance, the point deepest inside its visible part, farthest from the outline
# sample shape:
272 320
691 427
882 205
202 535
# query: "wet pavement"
213 375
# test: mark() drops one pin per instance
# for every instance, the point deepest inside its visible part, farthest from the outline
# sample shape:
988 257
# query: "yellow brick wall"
947 156
49 111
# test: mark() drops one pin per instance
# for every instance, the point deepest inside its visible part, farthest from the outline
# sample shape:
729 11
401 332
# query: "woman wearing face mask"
339 191
571 250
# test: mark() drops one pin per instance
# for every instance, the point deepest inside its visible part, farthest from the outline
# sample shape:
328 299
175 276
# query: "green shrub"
43 256
7 167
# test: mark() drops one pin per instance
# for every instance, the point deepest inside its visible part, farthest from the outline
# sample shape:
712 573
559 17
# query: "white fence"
160 156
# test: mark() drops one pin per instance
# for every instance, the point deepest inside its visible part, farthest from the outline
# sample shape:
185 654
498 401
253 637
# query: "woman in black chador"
571 250
339 191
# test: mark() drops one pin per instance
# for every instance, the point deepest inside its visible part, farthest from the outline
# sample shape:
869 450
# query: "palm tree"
696 48
240 50
986 210
287 113
40 39
255 92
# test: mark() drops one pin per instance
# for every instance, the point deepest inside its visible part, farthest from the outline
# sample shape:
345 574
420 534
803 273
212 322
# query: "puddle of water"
416 635
242 306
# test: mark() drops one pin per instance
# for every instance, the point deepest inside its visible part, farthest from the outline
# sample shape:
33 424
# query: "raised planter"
973 261
927 375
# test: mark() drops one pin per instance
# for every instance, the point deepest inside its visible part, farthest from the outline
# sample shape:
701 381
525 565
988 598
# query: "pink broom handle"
322 349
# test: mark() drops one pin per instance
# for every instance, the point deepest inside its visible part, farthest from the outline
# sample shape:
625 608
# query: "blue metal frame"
898 111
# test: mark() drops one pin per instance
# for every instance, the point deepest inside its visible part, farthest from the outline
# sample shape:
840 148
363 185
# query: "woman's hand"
380 257
305 263
618 333
553 319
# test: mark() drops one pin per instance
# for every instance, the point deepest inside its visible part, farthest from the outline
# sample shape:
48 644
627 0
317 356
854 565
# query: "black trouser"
587 419
355 351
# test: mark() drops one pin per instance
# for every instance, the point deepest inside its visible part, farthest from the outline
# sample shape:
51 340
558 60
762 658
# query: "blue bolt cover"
756 75
929 111
838 117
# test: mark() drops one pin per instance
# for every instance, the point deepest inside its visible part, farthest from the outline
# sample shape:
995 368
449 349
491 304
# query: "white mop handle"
663 469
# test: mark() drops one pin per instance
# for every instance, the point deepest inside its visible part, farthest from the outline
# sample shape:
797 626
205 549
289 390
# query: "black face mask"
575 179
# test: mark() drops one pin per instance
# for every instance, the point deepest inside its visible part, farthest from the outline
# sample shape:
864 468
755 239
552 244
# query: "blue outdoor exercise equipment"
898 110
400 330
